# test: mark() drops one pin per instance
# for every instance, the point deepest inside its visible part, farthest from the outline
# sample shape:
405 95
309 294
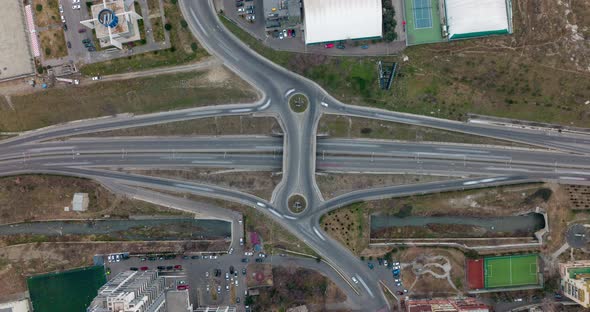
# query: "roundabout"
298 102
297 203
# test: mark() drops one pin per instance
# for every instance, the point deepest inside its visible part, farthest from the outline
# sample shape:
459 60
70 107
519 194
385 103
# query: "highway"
298 154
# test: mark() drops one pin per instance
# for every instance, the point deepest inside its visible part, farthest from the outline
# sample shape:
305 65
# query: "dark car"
133 269
178 267
259 260
293 33
69 45
169 267
231 269
161 267
185 257
244 271
65 27
217 272
340 46
400 293
238 300
152 258
195 257
239 4
144 268
82 30
245 260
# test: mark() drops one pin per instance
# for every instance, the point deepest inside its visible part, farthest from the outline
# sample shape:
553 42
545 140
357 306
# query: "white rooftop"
334 20
473 18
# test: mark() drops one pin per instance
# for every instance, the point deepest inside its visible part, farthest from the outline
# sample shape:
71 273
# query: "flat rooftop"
15 55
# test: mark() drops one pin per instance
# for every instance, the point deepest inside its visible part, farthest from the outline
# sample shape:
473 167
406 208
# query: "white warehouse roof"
475 18
333 20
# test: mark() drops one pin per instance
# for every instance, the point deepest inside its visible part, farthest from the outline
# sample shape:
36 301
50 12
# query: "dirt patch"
218 74
53 43
579 196
560 215
295 286
335 184
230 125
31 259
40 197
355 127
259 183
49 13
349 226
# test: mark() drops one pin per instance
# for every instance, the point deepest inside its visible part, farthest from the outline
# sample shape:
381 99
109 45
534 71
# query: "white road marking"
274 212
572 178
461 150
318 233
261 204
68 164
265 106
198 23
289 92
211 162
289 217
403 120
324 104
197 188
508 169
204 113
46 149
365 285
240 110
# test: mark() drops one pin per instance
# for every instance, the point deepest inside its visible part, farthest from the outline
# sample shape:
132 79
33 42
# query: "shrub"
184 24
168 27
39 7
194 46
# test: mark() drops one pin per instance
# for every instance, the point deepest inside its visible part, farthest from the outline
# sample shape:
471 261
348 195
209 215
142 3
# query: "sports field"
511 271
79 286
422 21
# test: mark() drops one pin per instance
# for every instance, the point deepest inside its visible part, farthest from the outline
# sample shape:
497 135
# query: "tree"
194 46
183 23
167 26
39 7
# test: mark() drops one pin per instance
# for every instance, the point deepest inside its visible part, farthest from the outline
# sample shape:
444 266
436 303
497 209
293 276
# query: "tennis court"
79 286
511 271
422 21
475 278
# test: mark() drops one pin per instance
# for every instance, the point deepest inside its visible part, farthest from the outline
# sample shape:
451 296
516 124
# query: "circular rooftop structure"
108 18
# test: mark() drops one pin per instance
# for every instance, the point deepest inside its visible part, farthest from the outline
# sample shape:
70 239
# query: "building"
114 22
575 281
80 202
21 305
446 305
131 291
280 14
477 18
16 35
336 20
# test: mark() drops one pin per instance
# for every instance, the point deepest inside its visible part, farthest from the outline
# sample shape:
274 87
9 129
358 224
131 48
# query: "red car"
144 268
329 45
182 287
178 267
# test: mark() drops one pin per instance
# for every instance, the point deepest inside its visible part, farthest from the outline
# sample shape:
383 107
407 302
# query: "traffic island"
298 102
297 203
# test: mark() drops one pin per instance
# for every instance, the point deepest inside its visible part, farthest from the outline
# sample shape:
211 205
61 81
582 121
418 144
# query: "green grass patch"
144 95
49 291
511 271
298 103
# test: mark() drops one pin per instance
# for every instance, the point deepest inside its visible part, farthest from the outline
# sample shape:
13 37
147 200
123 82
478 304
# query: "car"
261 255
396 264
245 260
231 251
293 33
109 258
329 45
241 241
214 257
63 19
61 9
355 280
96 78
75 1
399 292
65 27
239 4
245 292
195 257
340 46
76 7
82 30
324 104
251 18
182 287
217 272
208 289
238 300
88 41
398 284
205 257
364 47
259 260
218 289
169 268
405 290
178 267
250 9
226 275
226 287
207 274
133 269
370 265
396 280
183 257
241 9
236 273
236 283
518 300
161 267
240 222
244 271
231 269
143 259
144 268
384 262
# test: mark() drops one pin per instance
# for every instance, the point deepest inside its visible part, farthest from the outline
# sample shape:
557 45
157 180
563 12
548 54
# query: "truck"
68 80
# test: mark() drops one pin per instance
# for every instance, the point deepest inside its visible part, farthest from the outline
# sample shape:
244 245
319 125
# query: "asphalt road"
296 154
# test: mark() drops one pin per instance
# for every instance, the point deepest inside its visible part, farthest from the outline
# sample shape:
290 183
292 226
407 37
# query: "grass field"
511 271
79 286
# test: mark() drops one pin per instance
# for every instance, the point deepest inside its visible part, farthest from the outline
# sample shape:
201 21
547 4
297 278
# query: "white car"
96 78
75 1
208 288
397 280
227 287
236 282
207 274
76 7
285 33
218 289
281 35
61 9
231 251
226 275
241 9
355 280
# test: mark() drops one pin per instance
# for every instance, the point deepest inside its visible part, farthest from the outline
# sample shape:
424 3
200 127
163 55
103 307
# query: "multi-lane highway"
298 154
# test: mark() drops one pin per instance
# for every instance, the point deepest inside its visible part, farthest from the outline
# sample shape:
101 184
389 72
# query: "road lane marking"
274 212
461 150
240 110
573 178
365 285
46 149
402 120
69 164
198 23
265 106
197 188
318 233
289 217
289 92
204 113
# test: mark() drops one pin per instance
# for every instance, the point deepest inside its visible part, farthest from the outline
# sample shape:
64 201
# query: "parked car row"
247 11
285 33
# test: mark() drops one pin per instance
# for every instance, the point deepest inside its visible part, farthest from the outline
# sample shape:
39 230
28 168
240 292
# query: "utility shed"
80 202
478 18
335 20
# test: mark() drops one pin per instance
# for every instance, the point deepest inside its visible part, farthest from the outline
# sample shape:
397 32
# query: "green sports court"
511 271
422 21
